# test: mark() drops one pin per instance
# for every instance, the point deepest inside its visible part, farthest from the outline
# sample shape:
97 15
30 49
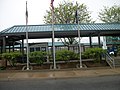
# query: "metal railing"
110 60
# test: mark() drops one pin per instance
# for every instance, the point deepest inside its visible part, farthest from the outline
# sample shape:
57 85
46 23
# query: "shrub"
83 56
0 56
66 55
94 53
118 51
38 57
2 68
11 57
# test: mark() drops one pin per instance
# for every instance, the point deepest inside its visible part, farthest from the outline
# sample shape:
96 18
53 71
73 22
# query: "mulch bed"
66 65
93 64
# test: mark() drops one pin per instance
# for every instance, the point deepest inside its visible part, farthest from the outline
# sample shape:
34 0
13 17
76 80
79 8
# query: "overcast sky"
12 12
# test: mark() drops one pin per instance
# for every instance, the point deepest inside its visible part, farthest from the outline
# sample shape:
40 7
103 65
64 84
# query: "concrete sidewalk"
54 74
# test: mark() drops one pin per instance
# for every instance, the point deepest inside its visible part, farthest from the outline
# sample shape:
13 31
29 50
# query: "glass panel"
31 49
37 48
43 48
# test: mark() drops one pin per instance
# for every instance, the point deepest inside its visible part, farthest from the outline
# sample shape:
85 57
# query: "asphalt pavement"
80 83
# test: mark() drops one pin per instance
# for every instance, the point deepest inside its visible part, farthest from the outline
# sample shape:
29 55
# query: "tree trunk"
68 47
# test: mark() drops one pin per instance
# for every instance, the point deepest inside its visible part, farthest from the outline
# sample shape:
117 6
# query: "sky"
12 12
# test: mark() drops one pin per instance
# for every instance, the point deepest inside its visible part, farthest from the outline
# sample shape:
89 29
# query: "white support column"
104 42
79 44
53 42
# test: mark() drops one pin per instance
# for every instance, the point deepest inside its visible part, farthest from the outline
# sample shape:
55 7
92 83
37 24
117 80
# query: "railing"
110 60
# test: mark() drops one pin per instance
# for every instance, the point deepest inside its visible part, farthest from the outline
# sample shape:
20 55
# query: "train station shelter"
16 34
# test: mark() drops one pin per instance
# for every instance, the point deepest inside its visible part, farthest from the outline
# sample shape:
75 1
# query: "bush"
83 56
11 57
0 56
66 55
118 51
94 53
2 68
38 57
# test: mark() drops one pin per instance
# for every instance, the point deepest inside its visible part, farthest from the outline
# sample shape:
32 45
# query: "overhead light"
6 36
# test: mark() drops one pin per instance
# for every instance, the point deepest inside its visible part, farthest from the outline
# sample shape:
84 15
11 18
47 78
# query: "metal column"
99 40
90 39
4 45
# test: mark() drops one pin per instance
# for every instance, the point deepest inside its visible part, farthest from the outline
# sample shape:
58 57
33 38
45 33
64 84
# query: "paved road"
88 83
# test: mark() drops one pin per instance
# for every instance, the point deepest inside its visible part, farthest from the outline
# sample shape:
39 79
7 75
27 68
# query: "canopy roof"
63 30
18 32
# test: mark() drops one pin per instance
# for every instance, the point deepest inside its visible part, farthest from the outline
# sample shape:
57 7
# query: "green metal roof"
62 30
62 27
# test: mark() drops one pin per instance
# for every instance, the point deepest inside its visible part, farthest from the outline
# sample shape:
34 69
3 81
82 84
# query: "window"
37 48
31 49
43 48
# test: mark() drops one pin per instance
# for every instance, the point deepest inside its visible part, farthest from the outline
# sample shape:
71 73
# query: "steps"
117 61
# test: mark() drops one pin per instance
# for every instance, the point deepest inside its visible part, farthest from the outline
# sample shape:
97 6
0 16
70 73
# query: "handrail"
110 60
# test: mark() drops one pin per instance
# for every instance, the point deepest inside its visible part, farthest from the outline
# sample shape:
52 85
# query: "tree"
110 15
64 13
